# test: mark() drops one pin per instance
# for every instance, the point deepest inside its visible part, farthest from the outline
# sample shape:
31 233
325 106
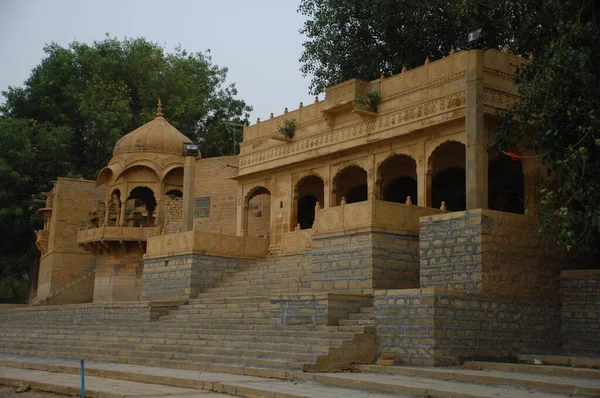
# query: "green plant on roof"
287 130
369 101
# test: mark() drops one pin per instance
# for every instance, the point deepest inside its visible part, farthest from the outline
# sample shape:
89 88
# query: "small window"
202 207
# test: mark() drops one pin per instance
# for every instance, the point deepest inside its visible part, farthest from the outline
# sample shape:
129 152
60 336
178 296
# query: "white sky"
258 40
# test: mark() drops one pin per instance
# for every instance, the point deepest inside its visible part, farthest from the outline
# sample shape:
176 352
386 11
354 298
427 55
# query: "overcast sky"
258 40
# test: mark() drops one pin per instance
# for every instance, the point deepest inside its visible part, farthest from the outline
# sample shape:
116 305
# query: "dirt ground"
9 392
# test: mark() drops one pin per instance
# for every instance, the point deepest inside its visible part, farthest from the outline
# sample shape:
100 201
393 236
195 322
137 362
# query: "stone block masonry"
363 261
439 327
316 309
493 253
139 311
580 311
184 276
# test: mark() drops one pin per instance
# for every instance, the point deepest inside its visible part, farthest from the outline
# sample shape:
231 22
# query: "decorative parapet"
376 214
297 240
41 240
216 244
98 240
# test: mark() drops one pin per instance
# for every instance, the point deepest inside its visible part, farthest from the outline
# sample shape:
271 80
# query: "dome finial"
159 112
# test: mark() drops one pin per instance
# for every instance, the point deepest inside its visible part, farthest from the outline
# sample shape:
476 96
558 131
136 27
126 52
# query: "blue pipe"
82 380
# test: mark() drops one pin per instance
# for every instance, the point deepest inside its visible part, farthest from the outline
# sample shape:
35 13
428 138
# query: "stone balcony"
103 239
41 240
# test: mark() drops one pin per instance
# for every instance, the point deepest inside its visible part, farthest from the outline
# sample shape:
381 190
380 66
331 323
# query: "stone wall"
365 260
173 214
184 276
104 312
494 253
65 266
214 181
580 311
119 275
438 327
316 309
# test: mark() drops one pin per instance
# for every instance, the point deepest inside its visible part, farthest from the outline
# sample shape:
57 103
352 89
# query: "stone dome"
156 136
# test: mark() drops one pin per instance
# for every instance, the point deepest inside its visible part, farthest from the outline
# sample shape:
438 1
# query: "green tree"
75 105
32 154
363 39
107 89
558 117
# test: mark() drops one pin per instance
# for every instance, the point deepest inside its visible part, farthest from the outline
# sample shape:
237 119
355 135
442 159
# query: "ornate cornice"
381 123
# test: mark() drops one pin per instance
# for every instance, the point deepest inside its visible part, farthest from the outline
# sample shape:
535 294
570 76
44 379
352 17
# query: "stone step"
536 369
183 360
356 322
260 342
425 386
166 351
193 345
265 278
193 328
548 382
55 375
153 337
367 310
563 360
361 315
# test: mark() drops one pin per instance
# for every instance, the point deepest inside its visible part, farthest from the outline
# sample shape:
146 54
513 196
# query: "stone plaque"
202 207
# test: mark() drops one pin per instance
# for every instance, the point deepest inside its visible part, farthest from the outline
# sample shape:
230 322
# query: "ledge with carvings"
101 239
209 243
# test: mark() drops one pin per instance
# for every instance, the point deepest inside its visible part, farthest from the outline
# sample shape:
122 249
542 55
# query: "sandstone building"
386 224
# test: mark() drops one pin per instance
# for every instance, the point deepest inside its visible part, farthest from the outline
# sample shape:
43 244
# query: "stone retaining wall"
493 253
440 327
184 276
140 311
316 309
364 260
580 311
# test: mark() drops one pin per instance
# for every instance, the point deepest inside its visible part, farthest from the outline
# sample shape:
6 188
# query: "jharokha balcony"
107 239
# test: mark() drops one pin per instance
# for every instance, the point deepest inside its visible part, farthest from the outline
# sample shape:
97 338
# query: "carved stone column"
189 177
476 166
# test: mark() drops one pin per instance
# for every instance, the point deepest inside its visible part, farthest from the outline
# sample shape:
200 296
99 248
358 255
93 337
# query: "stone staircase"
229 328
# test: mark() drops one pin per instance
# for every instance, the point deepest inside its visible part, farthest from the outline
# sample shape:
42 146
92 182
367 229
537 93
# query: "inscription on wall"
202 207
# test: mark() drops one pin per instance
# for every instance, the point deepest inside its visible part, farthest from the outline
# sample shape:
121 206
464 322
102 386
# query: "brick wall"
433 327
494 253
580 311
316 309
213 180
102 312
184 276
364 260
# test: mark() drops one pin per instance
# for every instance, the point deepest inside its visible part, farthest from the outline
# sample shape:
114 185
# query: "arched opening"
308 192
351 184
397 179
140 207
448 177
506 185
257 212
173 180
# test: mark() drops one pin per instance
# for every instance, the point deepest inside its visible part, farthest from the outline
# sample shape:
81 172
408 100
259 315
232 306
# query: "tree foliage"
558 117
75 105
363 39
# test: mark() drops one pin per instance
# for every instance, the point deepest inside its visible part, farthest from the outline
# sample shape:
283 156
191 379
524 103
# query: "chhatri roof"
156 136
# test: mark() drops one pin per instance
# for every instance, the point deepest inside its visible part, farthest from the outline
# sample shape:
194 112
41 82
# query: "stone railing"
297 240
208 243
41 240
378 214
120 234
